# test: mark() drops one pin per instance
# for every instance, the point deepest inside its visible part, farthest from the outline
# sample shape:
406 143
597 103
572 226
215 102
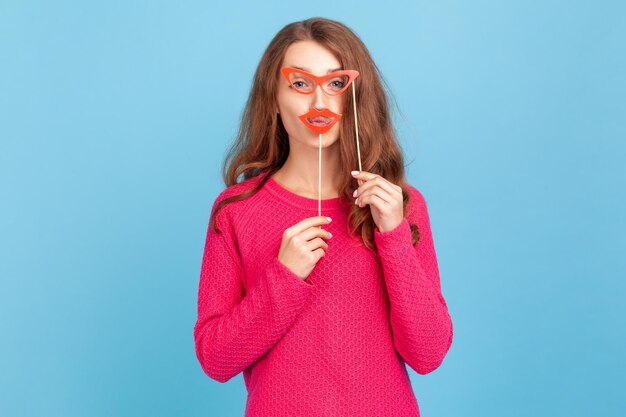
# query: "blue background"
114 120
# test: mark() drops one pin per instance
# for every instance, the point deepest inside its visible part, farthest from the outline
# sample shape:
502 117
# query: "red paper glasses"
332 84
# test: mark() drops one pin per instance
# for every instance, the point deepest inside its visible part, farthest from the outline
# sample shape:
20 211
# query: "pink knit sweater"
335 344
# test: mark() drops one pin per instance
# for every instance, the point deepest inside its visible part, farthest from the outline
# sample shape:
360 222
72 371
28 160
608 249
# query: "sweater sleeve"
234 329
421 325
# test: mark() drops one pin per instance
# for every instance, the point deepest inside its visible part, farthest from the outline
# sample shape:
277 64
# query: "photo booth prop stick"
322 121
356 131
319 122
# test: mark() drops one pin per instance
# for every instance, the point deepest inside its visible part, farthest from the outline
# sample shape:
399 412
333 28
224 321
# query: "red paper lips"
320 121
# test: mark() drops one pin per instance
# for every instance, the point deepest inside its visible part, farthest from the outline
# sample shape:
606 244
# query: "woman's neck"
299 174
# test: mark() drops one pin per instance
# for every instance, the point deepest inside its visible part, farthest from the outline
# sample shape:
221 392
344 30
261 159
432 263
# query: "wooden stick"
319 180
356 128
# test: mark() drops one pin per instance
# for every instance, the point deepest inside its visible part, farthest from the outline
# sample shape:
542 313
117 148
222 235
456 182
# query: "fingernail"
329 219
354 193
355 172
330 234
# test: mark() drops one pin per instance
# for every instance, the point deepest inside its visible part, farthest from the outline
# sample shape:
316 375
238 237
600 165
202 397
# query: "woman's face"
311 57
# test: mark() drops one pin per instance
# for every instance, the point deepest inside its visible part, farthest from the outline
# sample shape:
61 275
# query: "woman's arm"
234 329
421 325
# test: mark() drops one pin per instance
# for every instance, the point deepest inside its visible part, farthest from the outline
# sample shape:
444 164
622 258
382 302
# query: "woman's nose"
319 98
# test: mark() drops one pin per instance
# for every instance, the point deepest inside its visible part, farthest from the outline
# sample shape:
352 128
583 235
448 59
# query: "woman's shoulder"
414 191
241 205
416 206
239 188
234 207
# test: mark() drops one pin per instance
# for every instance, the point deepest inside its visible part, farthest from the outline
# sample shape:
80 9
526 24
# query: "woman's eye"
337 85
299 84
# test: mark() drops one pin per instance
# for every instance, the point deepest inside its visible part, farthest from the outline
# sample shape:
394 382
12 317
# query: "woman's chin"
328 139
312 140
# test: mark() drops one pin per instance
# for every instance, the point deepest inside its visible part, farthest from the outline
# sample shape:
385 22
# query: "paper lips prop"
320 121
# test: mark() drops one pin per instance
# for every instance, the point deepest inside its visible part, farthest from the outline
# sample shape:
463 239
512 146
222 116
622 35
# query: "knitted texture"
336 343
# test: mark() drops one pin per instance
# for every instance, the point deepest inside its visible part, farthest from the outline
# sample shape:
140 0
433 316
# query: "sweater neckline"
300 201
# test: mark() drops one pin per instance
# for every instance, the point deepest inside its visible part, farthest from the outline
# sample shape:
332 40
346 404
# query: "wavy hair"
262 143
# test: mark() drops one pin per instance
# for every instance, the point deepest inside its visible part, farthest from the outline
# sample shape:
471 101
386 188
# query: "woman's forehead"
312 57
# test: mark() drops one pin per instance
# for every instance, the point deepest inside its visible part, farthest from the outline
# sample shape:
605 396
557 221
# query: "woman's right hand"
302 245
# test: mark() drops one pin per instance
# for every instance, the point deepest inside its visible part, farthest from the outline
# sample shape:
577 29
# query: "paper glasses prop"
318 121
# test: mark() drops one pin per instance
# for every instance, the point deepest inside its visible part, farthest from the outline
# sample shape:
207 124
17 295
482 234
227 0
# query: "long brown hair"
262 144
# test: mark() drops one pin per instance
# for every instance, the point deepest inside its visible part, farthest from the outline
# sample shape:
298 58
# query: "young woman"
320 312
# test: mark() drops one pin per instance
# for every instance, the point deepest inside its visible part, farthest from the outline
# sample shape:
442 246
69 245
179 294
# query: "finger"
381 188
313 232
363 175
374 179
375 201
319 253
379 192
360 177
308 222
366 176
316 244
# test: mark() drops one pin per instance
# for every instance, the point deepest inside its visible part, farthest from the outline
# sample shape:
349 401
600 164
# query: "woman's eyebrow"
308 70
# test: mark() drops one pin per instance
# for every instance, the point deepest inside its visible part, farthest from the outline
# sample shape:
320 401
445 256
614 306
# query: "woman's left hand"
384 198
